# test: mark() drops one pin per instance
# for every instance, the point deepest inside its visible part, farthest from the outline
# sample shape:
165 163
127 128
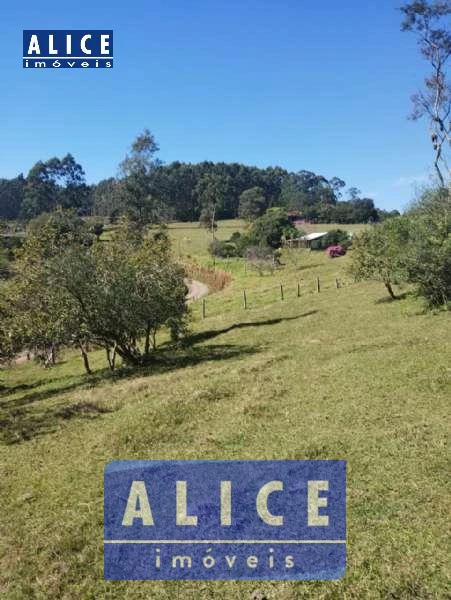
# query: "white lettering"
51 47
262 503
34 45
83 47
104 43
314 502
252 562
138 492
226 503
180 501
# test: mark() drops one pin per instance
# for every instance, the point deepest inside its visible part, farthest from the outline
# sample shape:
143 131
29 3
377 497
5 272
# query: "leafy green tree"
386 214
380 254
40 192
124 292
337 185
362 210
55 183
429 259
333 238
50 233
160 288
44 316
11 197
69 291
9 341
208 220
267 230
414 248
137 169
215 195
354 193
252 203
108 198
73 192
223 248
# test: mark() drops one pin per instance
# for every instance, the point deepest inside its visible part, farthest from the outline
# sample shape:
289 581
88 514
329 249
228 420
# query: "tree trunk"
49 357
111 357
128 356
85 359
213 222
438 170
147 344
390 290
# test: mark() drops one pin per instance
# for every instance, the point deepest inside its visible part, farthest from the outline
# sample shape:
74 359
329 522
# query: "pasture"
341 374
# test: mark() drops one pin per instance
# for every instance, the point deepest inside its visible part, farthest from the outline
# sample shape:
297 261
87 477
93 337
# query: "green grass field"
343 374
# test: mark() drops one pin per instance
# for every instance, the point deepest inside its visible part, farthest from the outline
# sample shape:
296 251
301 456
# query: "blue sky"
317 85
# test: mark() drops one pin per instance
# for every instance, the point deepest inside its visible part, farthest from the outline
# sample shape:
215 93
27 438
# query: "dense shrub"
333 237
379 253
428 262
116 295
223 249
10 243
414 248
4 266
269 229
256 243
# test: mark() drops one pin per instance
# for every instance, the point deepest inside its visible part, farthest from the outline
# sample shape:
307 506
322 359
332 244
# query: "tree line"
148 191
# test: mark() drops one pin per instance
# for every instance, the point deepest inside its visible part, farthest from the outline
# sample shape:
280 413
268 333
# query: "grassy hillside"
343 374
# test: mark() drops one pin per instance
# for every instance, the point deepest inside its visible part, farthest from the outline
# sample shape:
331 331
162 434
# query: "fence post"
337 283
318 287
203 308
281 291
245 299
299 290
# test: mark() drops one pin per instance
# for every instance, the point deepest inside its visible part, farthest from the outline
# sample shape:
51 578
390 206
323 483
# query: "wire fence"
277 293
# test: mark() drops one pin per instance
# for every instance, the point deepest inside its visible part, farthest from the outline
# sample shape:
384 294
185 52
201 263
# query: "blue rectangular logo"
68 49
223 520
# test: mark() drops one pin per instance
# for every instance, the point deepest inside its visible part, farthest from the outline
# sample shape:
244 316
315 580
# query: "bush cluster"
414 248
69 289
264 237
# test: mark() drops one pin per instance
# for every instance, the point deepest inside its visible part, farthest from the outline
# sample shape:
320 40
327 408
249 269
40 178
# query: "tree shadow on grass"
87 382
9 390
212 333
6 390
306 267
19 425
25 418
389 299
172 359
